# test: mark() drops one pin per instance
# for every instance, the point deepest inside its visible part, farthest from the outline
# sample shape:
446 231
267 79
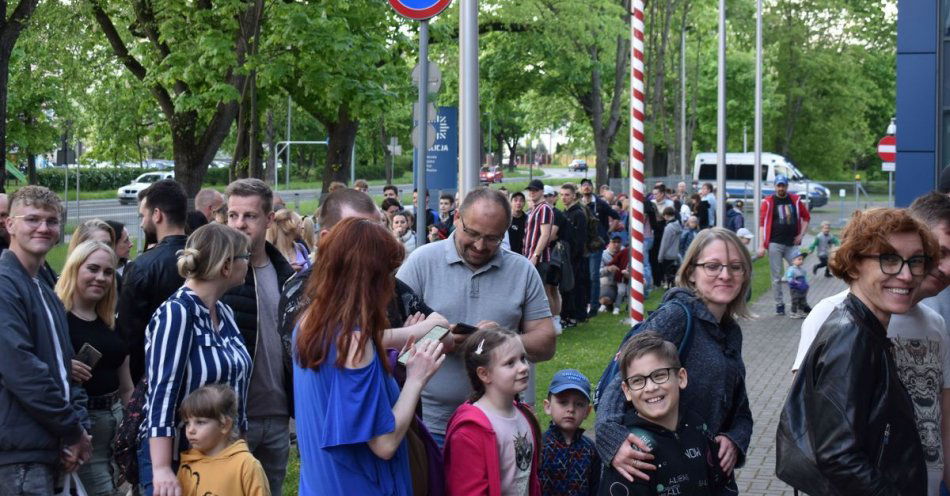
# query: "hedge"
93 179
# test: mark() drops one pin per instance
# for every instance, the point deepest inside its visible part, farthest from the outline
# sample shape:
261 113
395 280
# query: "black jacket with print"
686 460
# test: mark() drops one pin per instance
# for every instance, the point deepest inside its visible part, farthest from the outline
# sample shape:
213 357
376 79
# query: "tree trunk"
31 167
388 155
10 29
512 149
272 148
342 135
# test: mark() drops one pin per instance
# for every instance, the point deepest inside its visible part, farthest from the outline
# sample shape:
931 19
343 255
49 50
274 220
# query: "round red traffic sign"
887 149
419 10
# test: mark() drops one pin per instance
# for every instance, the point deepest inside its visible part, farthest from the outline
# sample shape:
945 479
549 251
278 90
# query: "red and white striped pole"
637 108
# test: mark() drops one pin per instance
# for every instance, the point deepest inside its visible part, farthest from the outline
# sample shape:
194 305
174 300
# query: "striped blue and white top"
184 352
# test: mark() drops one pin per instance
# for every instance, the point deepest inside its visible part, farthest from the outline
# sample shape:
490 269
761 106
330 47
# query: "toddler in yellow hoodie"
218 463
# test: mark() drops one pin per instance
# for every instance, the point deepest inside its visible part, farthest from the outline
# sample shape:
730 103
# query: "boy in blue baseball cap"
570 465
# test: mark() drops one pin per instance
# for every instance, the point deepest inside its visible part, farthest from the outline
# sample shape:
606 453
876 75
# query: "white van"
740 175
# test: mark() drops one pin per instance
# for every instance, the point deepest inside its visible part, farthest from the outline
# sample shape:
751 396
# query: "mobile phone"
461 328
88 355
436 334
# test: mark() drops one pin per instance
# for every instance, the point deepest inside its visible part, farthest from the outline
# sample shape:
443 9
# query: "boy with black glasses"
683 448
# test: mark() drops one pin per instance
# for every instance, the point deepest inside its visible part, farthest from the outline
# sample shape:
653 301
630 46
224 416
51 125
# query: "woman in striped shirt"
192 340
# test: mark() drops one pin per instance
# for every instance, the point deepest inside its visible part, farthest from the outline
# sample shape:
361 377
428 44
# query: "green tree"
190 56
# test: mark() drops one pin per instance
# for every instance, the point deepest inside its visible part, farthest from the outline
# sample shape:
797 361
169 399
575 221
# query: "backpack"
595 243
613 368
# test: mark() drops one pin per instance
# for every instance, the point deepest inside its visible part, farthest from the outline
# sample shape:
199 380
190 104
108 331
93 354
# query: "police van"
740 176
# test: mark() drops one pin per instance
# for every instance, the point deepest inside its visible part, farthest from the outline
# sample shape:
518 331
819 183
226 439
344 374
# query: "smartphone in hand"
88 355
436 334
461 328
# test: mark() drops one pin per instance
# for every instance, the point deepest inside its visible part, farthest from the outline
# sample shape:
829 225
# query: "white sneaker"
603 308
616 311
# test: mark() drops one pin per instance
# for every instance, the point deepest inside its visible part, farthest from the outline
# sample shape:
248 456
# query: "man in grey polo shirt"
468 278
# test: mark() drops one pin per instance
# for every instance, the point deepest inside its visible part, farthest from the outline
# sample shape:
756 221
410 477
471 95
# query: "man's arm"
542 243
539 339
133 317
29 379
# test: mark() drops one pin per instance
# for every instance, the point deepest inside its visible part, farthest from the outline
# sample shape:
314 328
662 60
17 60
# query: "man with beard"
153 276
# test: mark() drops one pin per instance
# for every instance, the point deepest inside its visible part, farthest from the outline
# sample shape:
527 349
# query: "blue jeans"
96 474
594 267
439 439
26 479
145 468
268 439
647 270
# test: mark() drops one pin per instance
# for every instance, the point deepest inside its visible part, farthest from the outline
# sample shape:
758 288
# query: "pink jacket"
765 216
472 466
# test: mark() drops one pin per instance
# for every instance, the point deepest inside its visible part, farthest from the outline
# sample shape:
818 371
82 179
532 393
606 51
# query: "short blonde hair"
66 285
36 197
208 249
737 307
84 232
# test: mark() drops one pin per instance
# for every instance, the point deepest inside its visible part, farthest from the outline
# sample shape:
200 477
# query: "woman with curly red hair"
848 425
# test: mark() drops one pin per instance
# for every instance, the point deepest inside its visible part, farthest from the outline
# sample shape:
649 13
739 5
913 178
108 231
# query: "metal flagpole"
683 104
469 118
637 106
422 123
721 122
757 132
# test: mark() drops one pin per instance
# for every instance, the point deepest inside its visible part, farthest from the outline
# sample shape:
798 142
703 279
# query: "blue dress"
337 411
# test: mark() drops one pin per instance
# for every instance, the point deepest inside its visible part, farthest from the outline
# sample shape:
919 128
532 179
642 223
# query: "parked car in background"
490 175
129 194
577 165
740 173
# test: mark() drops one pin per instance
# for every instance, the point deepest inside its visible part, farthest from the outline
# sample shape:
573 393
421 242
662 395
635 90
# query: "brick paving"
769 346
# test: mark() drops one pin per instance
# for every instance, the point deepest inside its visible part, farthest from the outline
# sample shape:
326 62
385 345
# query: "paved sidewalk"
769 346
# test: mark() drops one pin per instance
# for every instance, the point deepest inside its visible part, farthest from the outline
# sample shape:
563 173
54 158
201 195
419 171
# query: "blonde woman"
710 292
283 234
308 233
96 229
88 291
192 340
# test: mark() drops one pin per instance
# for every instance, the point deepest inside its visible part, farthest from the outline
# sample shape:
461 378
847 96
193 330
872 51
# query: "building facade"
923 96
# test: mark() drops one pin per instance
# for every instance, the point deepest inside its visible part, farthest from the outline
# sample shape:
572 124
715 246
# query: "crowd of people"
409 369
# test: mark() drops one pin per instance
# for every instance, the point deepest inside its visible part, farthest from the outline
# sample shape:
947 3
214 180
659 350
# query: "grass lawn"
587 347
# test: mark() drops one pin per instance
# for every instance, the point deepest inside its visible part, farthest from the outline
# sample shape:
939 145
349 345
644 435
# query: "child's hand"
424 360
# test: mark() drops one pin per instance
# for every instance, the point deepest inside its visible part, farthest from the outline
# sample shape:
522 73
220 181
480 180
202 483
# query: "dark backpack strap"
688 334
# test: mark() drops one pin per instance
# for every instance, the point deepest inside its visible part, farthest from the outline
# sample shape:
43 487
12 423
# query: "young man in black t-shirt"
784 221
518 219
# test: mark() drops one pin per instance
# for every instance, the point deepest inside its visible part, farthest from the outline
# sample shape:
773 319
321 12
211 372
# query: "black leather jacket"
146 283
847 427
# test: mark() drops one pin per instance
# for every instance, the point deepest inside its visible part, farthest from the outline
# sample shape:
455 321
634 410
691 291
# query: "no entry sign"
419 10
887 149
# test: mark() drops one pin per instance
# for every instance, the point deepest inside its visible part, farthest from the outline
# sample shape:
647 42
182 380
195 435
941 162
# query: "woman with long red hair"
351 416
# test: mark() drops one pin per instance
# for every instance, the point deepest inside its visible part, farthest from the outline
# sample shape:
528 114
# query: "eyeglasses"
34 222
658 376
713 269
892 264
246 256
489 240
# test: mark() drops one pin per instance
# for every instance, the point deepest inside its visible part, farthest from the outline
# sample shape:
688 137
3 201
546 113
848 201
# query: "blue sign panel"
442 161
